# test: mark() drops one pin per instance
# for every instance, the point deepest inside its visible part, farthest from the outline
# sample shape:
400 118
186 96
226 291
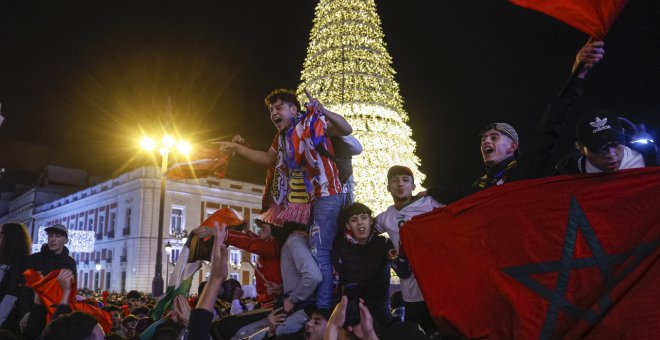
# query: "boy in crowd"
400 184
303 177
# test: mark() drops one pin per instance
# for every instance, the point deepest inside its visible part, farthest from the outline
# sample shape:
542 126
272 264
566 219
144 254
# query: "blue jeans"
322 231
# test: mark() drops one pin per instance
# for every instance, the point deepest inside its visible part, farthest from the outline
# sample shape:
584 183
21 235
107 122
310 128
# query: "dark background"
80 81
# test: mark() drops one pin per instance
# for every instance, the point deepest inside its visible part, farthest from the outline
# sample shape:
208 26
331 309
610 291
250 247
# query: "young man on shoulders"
303 179
400 184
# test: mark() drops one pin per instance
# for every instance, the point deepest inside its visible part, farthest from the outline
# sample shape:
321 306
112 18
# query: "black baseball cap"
597 129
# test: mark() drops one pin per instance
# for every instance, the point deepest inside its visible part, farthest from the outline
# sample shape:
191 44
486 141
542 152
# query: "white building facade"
114 226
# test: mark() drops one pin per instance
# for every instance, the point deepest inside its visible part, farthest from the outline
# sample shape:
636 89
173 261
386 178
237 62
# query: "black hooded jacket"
46 261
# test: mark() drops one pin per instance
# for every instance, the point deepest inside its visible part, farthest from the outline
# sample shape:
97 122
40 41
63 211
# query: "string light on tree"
350 71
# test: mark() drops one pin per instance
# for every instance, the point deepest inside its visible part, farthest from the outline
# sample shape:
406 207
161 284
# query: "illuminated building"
113 226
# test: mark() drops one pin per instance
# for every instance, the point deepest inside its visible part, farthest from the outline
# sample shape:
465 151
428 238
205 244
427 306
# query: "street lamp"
167 144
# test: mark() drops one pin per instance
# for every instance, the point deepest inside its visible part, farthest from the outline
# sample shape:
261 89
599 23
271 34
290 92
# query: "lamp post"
167 144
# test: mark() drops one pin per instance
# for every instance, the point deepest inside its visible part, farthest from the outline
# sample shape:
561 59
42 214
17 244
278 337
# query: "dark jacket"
575 162
537 163
15 297
368 266
46 261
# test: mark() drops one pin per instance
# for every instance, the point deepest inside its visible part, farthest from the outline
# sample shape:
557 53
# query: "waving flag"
564 257
190 259
50 292
203 163
593 17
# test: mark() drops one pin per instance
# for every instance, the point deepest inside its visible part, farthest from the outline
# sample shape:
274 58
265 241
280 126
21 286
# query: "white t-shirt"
390 221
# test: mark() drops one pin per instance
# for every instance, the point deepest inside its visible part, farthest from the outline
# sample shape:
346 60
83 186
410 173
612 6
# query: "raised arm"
262 158
337 125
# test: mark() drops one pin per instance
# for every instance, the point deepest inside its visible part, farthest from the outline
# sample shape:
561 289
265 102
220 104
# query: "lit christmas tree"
349 70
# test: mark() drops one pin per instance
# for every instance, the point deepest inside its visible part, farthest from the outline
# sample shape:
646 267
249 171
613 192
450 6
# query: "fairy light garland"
350 71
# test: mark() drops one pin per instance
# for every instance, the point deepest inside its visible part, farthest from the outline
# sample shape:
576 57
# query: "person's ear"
582 149
514 146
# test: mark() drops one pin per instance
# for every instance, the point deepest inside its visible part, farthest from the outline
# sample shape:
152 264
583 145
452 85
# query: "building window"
175 255
107 281
254 258
177 220
234 276
235 257
85 281
113 222
210 212
127 228
102 225
123 282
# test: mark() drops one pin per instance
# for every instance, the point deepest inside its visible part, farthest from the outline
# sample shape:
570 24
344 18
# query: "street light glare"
183 147
168 141
148 143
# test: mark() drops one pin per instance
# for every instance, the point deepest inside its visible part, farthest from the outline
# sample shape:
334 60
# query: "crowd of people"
324 263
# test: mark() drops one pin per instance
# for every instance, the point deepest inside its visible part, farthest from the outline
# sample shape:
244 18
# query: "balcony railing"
122 259
108 260
111 234
126 231
99 236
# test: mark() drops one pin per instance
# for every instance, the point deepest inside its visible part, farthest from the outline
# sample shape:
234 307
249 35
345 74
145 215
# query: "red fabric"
269 259
50 292
202 163
593 17
465 258
225 215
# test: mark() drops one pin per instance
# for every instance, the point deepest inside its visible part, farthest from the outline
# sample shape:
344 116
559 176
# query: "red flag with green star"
560 257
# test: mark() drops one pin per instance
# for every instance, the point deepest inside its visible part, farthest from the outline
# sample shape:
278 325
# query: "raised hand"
275 319
589 54
219 268
365 329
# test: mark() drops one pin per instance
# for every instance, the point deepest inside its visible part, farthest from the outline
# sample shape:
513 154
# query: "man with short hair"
602 147
400 184
54 254
500 145
303 178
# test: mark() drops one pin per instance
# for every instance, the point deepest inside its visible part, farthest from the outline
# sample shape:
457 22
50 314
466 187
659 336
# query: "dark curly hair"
285 95
15 245
352 210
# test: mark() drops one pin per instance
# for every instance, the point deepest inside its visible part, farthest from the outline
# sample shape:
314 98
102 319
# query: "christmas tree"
349 70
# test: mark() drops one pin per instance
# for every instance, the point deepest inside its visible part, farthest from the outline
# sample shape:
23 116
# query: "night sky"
80 81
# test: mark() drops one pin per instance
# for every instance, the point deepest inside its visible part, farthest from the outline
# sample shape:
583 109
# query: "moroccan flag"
202 163
562 257
593 17
50 292
190 260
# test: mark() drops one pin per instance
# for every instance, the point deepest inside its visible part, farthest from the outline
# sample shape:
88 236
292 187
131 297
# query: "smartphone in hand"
353 307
